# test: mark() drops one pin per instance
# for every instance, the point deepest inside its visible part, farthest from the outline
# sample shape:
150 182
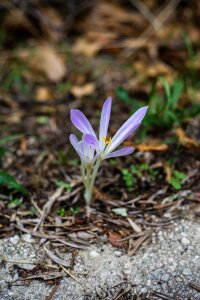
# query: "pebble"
15 239
94 253
118 253
185 241
27 238
165 277
187 271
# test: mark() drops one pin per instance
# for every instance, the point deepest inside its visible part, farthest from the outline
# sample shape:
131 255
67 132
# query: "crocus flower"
93 150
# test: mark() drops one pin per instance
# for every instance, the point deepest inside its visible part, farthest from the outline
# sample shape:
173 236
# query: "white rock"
118 253
94 253
165 277
187 271
27 238
185 241
15 239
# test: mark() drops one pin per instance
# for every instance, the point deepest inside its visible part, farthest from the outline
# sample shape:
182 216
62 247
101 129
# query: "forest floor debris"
168 267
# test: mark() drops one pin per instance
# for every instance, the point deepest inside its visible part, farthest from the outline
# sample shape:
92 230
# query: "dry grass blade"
122 293
162 17
55 258
47 207
135 227
45 276
194 286
161 296
144 10
139 242
53 291
135 235
71 275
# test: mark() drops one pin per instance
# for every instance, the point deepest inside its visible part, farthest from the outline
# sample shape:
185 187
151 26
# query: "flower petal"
80 151
81 122
73 140
127 128
121 152
105 118
91 140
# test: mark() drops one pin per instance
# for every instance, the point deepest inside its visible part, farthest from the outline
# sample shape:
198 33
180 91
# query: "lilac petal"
88 151
122 152
127 128
79 150
91 140
81 122
73 140
105 118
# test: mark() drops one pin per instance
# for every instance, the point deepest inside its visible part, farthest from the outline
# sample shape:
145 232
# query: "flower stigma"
107 141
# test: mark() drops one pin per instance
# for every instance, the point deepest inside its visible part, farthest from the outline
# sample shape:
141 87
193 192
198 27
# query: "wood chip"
139 242
185 140
55 258
145 148
135 227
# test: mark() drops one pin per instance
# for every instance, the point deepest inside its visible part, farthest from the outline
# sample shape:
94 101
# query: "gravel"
167 265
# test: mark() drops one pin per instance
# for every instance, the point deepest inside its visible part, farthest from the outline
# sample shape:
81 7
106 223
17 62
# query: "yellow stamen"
107 141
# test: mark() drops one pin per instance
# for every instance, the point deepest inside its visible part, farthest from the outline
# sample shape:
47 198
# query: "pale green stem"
90 181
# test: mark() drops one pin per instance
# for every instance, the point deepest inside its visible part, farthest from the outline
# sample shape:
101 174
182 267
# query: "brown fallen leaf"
185 140
43 94
86 47
44 59
143 147
81 91
98 195
114 239
168 172
153 69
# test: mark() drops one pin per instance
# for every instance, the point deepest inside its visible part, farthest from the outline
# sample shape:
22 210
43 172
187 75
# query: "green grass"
134 173
7 180
165 109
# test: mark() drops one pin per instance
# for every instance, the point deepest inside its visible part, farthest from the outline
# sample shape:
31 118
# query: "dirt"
168 265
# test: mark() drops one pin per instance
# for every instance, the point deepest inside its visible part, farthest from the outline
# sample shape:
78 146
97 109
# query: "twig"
139 242
53 291
68 273
47 207
194 286
144 10
144 37
55 258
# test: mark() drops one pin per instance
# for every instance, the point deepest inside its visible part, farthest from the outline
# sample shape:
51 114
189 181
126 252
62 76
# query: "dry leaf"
98 195
86 47
43 94
185 140
143 147
16 18
45 59
114 238
81 91
152 69
168 172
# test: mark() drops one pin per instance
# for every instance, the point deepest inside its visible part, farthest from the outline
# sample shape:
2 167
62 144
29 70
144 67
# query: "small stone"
185 241
118 253
94 253
187 271
15 239
165 277
27 238
143 290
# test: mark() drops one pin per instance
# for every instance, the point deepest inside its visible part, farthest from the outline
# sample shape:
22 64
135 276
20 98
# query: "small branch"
47 207
68 273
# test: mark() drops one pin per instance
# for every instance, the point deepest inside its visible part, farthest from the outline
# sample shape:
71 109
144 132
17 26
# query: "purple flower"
90 147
